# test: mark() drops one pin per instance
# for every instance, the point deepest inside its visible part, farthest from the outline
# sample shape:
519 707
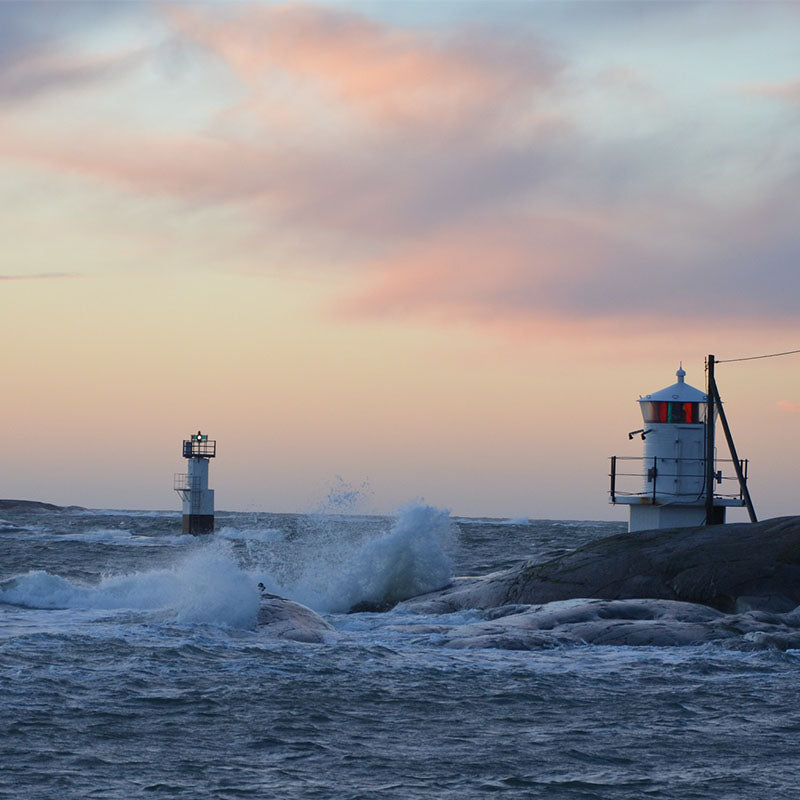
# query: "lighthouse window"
673 412
684 413
656 411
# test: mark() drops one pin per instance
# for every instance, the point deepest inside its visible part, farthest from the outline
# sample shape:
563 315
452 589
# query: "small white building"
666 487
192 486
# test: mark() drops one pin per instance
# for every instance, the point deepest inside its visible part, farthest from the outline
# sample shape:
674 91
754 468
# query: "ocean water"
132 666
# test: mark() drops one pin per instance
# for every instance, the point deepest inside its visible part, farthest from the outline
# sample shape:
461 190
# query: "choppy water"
131 666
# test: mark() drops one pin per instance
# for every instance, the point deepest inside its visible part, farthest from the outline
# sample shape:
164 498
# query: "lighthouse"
192 486
679 481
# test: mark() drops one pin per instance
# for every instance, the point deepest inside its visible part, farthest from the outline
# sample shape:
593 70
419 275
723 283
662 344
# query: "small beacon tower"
667 487
198 499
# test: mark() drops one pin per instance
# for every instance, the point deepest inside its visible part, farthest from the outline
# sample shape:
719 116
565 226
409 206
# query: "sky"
392 251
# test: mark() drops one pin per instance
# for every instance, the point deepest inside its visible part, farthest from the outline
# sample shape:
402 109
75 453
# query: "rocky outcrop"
629 623
730 568
34 505
285 619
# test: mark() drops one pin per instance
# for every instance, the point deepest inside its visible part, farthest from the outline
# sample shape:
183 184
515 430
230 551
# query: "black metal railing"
199 448
663 477
183 483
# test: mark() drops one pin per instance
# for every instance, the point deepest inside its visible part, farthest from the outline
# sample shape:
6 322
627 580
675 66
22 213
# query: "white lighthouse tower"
669 486
198 499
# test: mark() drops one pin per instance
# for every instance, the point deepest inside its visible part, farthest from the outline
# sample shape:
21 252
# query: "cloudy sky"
422 249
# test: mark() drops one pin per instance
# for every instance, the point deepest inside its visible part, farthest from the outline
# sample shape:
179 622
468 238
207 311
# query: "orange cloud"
41 276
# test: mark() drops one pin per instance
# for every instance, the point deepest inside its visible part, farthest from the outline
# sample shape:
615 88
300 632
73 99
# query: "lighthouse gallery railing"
652 477
183 483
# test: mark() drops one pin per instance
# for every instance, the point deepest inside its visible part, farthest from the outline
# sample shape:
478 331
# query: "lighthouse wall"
677 451
198 500
648 517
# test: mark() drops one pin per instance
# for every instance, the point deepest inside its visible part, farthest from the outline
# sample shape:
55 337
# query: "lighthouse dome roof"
679 392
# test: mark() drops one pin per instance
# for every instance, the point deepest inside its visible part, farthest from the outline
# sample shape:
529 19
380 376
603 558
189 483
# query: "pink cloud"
502 267
460 192
786 91
393 75
425 118
785 405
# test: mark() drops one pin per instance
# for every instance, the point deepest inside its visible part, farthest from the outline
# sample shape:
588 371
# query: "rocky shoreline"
730 568
737 585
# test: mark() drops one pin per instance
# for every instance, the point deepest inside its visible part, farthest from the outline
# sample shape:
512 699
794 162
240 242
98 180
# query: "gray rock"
285 619
630 623
735 567
617 622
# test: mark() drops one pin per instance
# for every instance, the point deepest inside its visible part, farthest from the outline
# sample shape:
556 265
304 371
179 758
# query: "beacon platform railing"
680 480
183 483
199 448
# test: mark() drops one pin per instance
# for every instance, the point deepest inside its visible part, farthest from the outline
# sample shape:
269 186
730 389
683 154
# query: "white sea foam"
411 559
8 527
105 535
261 535
121 512
114 536
206 587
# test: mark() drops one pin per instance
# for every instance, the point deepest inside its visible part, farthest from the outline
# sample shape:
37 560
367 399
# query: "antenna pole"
710 386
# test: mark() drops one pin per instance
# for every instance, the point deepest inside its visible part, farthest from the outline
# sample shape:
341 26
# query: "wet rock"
617 622
628 623
735 567
285 619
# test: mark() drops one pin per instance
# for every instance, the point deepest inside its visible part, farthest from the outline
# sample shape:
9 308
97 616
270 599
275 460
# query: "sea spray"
214 590
412 558
345 498
207 587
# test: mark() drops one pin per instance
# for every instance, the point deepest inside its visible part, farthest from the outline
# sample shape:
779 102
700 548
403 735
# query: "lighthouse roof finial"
681 392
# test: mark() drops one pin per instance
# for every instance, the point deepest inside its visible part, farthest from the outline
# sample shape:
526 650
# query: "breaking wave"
334 570
411 559
206 587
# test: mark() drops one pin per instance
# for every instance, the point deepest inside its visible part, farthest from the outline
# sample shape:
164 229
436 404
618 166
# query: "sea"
132 665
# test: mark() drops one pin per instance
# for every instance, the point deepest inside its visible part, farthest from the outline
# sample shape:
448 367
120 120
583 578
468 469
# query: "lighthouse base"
653 517
198 523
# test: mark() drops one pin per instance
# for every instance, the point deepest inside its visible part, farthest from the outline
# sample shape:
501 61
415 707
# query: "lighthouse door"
689 472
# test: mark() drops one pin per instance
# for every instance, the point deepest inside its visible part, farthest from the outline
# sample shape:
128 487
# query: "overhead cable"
752 358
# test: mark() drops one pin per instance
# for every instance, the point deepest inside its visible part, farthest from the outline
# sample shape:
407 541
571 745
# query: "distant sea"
131 666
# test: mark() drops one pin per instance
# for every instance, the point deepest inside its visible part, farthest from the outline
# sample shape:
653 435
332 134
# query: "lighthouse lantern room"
673 484
192 486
